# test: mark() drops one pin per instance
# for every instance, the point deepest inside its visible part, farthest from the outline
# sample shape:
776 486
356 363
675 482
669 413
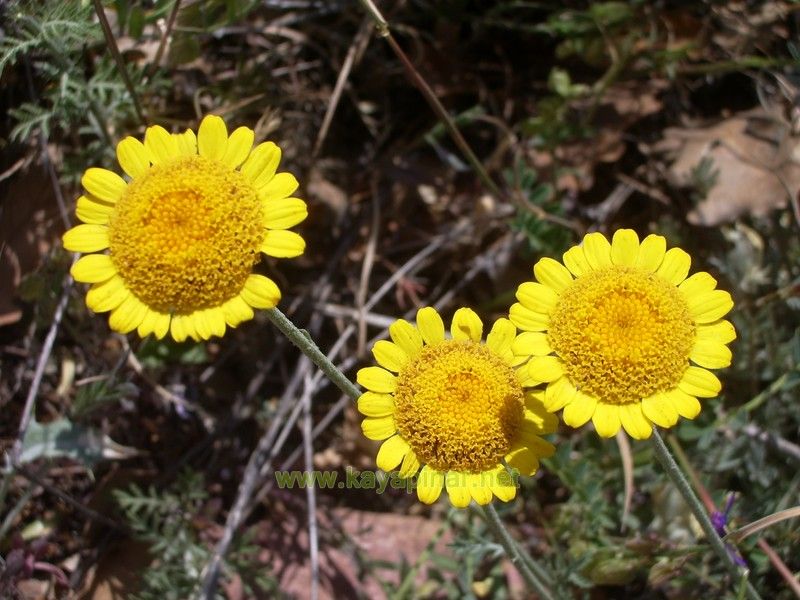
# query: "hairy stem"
514 553
679 479
312 351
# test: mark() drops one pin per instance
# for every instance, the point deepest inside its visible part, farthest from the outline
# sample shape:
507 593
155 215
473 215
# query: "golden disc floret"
171 247
454 413
624 334
459 406
186 235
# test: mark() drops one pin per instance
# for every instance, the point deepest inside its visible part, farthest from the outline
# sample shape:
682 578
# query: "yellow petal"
700 383
479 486
579 410
527 319
93 268
634 421
675 266
559 393
552 274
687 406
540 447
545 368
282 185
457 490
466 325
711 355
651 253
389 355
575 260
502 484
283 244
104 184
239 145
625 247
216 318
201 324
537 297
534 403
597 250
283 213
536 420
190 326
523 459
133 157
719 331
659 409
391 453
186 143
405 335
430 325
260 292
376 379
710 306
179 328
160 145
236 311
108 295
429 485
145 328
378 428
531 343
212 137
93 211
161 326
500 339
697 284
86 238
262 163
371 404
128 315
410 465
154 322
606 420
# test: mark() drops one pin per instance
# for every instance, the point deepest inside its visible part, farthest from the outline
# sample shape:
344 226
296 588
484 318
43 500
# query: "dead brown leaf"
755 158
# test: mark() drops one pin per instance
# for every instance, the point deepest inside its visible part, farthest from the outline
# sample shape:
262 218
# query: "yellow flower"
184 232
454 407
614 333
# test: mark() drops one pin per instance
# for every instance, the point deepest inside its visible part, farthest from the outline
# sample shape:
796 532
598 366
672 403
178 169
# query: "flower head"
614 334
453 410
185 230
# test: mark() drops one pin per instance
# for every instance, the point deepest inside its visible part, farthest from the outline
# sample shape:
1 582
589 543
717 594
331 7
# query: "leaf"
65 438
769 520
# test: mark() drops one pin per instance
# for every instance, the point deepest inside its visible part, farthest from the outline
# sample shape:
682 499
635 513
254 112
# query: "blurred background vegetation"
673 117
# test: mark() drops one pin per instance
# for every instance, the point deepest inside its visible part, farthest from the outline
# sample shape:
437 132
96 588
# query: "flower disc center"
459 406
186 235
623 334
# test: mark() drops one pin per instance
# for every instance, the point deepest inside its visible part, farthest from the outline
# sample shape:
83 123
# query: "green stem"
679 479
514 553
307 346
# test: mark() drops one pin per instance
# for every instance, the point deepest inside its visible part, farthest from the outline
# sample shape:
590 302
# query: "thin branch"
359 42
433 101
162 44
308 455
123 70
80 507
44 356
